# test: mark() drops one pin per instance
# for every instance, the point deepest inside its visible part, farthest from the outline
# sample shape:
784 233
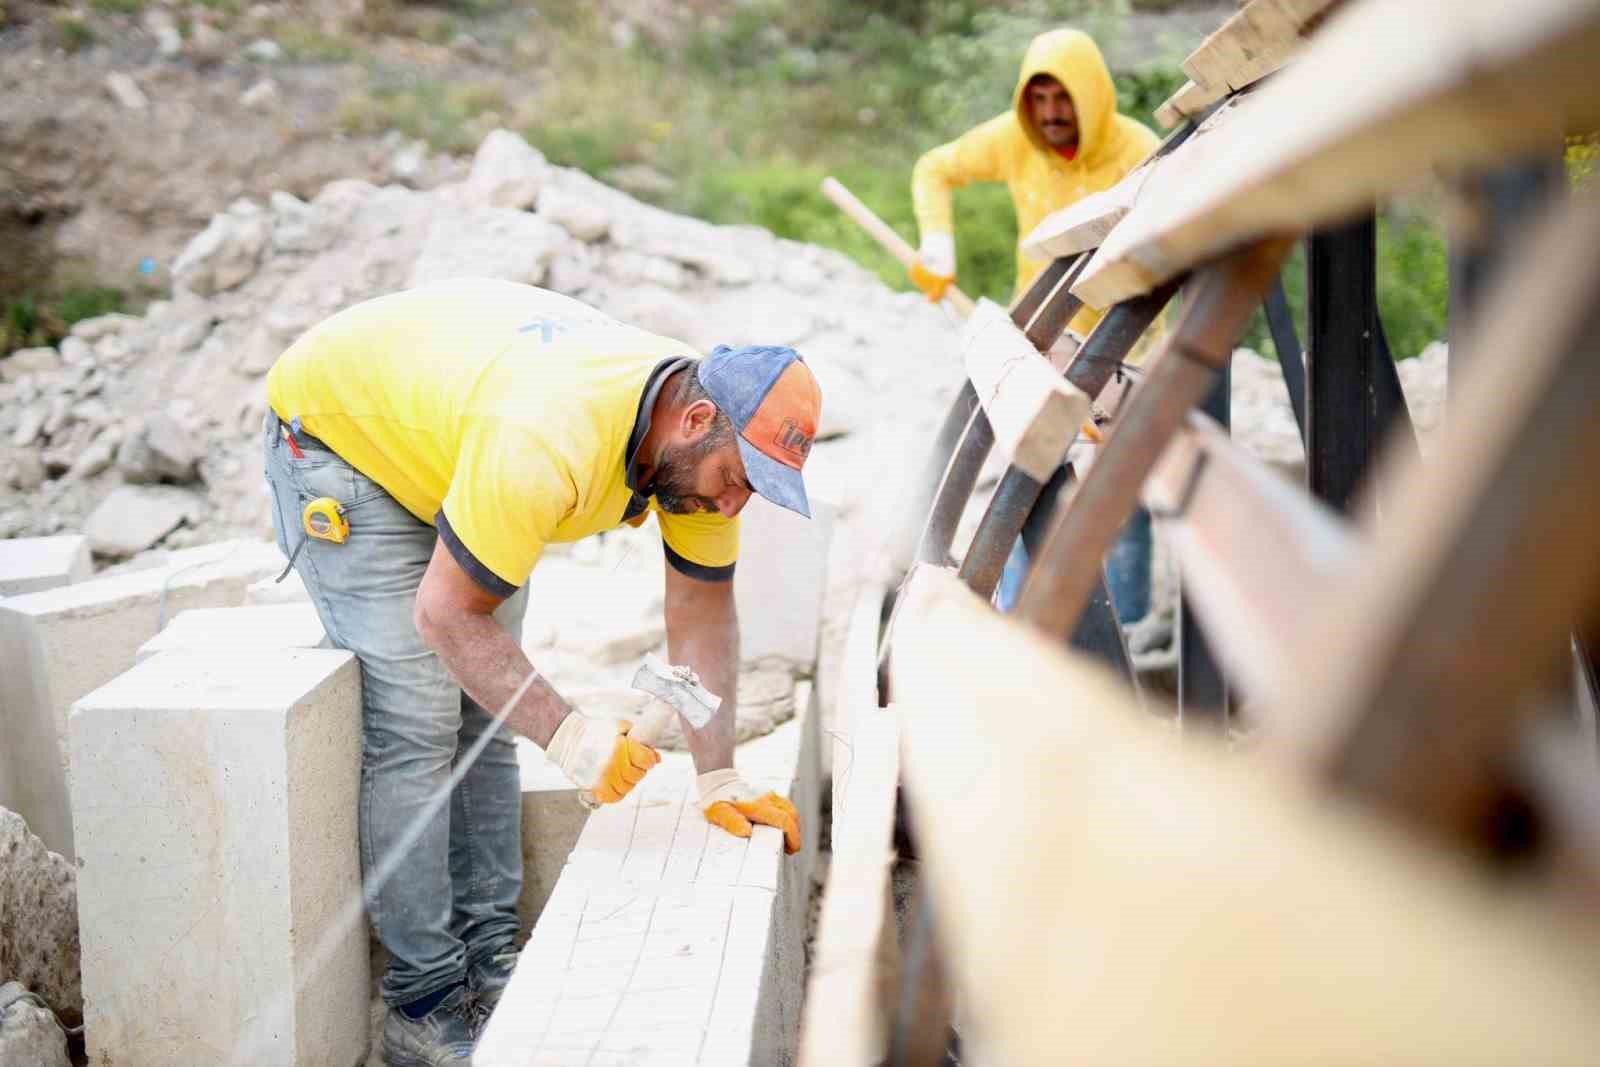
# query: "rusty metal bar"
1223 297
1047 326
1108 345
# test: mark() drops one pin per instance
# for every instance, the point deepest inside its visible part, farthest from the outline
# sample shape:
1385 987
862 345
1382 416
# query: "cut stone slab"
263 627
39 920
59 644
666 940
219 875
33 564
780 581
292 590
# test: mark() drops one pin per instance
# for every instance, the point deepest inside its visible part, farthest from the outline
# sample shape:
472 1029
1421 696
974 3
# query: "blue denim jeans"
452 901
1127 571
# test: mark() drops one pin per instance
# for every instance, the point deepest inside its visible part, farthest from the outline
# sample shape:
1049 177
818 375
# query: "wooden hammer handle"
885 235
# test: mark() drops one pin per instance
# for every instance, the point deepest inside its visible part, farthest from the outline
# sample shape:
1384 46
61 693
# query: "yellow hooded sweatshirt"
1009 148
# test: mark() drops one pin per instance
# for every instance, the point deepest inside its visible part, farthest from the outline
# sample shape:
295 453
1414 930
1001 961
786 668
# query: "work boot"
441 1038
487 980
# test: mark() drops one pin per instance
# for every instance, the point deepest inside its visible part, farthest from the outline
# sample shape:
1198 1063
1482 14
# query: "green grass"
30 320
73 33
118 7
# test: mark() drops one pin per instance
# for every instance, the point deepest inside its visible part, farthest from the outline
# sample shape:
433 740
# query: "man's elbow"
428 619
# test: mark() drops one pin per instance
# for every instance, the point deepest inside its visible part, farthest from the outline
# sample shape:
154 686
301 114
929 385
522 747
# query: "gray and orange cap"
773 401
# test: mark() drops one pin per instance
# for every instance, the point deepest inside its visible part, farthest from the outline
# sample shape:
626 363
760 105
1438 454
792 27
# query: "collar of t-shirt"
641 427
1068 153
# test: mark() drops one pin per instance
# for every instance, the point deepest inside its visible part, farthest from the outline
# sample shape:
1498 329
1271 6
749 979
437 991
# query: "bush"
31 320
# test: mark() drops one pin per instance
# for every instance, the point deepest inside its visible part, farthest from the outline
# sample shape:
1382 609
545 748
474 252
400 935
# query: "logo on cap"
793 440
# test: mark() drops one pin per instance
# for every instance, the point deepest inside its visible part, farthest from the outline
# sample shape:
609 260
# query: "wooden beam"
1081 858
1190 99
1497 78
1254 42
1489 555
1033 412
1083 225
1255 552
858 682
854 974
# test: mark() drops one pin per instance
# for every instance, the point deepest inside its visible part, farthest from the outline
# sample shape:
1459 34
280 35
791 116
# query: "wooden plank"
1255 41
1080 857
1496 79
1488 556
854 972
1085 224
1190 99
1255 552
1034 413
858 682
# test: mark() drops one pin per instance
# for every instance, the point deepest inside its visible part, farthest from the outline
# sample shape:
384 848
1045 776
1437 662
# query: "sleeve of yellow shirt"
979 155
703 546
504 504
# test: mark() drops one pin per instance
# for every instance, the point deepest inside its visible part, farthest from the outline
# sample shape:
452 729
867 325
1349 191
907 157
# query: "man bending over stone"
459 428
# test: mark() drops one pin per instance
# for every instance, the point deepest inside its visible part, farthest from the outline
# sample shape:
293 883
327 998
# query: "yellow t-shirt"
500 413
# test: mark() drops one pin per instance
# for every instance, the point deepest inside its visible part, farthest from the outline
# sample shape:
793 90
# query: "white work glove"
597 755
728 802
935 268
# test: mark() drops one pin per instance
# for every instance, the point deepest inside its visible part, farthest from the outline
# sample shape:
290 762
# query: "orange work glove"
730 803
597 755
934 269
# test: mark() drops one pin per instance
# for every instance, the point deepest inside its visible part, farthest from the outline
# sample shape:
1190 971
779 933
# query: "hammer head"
679 687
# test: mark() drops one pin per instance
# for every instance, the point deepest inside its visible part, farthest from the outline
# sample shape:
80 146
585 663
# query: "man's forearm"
711 647
490 665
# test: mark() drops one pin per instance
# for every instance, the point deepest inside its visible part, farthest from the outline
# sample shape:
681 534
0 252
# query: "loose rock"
507 172
39 920
133 518
125 91
30 1036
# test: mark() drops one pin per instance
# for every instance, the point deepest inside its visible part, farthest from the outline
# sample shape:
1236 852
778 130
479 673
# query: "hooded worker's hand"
729 802
597 755
934 269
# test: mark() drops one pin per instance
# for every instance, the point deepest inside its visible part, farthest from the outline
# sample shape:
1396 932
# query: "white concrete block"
59 644
666 940
292 590
780 580
262 627
215 801
33 564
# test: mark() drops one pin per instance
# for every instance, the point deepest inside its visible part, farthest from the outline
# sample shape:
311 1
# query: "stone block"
33 564
552 821
292 590
264 627
667 940
59 644
780 580
219 878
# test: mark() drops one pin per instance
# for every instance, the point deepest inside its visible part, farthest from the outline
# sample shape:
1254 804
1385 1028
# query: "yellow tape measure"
324 519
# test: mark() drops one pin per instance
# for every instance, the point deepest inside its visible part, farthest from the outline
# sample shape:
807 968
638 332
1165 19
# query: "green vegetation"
29 320
72 32
119 7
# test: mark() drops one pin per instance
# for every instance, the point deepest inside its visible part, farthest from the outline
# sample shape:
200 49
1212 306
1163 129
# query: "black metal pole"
1341 360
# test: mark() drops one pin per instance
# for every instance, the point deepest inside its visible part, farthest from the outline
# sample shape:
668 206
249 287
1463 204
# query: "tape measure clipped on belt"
324 519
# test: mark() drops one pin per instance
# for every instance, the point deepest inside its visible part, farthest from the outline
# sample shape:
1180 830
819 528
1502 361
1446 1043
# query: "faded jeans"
1127 571
452 899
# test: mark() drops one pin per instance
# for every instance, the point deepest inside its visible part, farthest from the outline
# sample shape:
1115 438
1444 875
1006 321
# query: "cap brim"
779 484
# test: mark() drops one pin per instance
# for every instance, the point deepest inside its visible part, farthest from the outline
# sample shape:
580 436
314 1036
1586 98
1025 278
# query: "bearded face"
677 475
